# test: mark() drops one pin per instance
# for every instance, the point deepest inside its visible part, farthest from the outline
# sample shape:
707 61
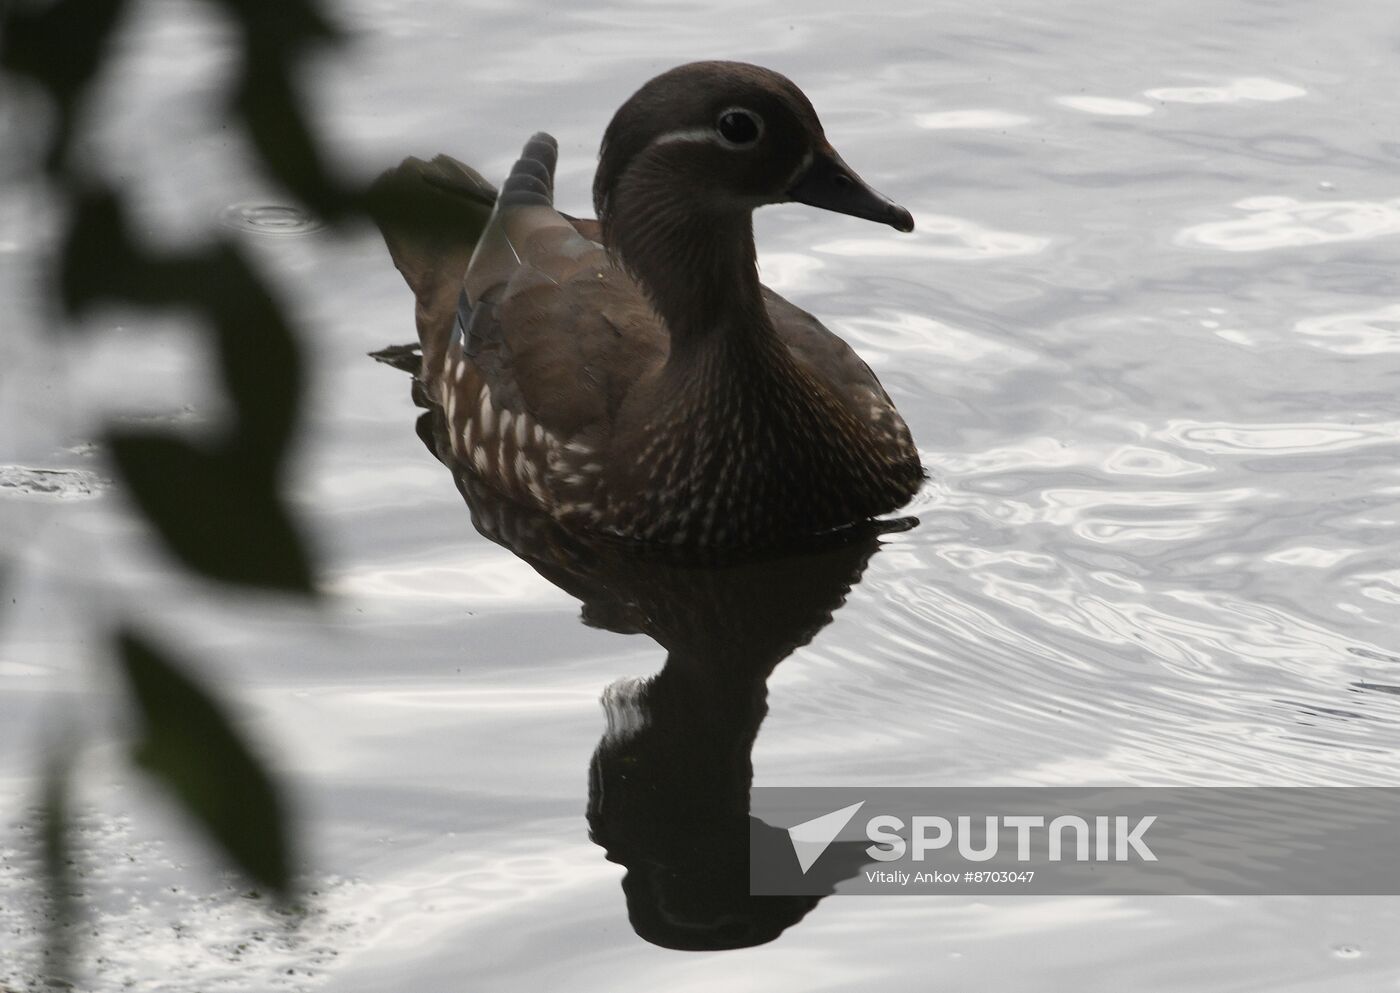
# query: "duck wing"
531 336
545 314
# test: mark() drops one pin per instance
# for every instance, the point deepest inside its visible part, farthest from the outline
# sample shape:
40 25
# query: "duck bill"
830 184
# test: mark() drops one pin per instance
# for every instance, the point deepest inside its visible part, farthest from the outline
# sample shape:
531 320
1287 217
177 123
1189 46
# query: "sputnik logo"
811 838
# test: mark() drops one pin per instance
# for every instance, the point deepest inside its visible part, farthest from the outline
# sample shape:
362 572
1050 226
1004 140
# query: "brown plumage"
631 376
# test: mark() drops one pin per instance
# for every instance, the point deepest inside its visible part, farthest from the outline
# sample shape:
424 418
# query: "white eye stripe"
802 167
711 135
707 135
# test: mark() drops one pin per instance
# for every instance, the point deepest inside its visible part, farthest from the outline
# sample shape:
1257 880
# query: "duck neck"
698 265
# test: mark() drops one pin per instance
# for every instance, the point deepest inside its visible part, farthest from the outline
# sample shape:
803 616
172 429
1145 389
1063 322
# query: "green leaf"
219 511
190 747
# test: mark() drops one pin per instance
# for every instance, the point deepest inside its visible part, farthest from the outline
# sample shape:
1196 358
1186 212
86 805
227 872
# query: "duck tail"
431 215
531 179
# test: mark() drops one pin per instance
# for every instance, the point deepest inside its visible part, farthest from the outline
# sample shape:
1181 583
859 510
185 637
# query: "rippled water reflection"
1145 335
268 218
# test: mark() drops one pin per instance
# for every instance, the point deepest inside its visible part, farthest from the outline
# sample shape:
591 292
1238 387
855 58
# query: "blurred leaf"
273 112
190 746
59 950
276 36
289 24
259 358
219 511
102 262
60 45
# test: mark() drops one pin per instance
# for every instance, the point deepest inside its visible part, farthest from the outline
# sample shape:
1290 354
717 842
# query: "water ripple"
1366 332
940 237
1235 91
1283 222
893 333
949 120
268 218
1123 516
1054 453
1105 106
1223 438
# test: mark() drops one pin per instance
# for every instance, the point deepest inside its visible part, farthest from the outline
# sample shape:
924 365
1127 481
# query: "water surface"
1147 336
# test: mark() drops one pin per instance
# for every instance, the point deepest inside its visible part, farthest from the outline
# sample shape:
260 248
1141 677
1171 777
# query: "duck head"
714 140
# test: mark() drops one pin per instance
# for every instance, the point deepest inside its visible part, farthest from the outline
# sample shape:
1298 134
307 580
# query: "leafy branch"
216 505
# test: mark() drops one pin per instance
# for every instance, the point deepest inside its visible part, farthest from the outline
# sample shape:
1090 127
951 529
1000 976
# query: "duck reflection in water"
668 794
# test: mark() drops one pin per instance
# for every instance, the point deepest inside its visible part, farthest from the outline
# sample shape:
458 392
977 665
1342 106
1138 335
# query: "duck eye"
739 127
